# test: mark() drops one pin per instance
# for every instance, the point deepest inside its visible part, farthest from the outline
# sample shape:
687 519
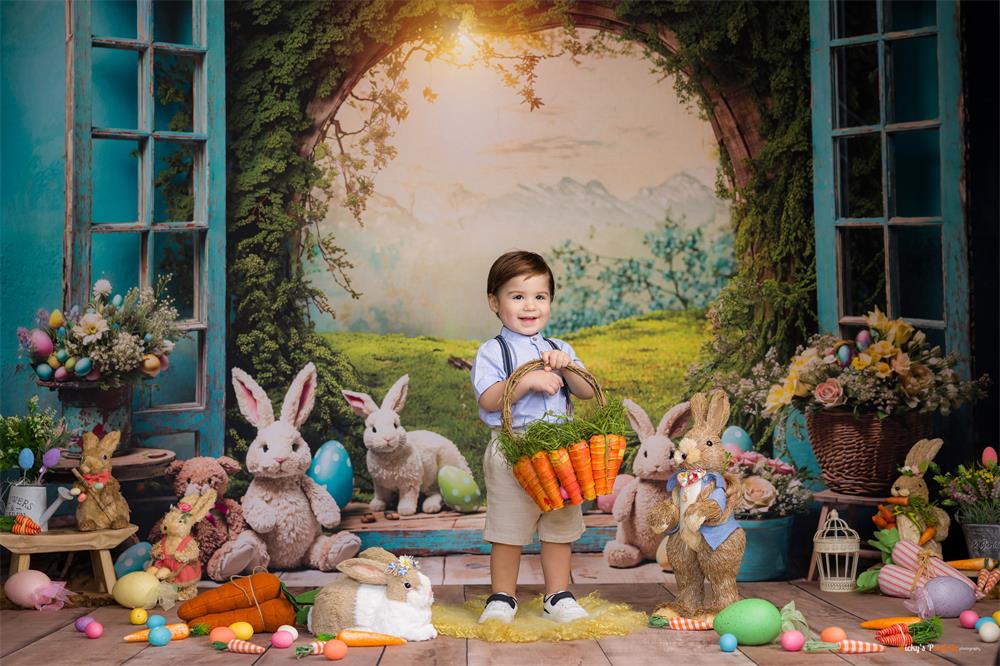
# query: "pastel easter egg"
138 589
833 635
56 319
459 489
61 332
150 365
989 632
335 650
989 457
54 361
738 436
968 618
82 622
243 630
154 621
61 374
751 621
62 355
159 636
996 617
944 596
792 640
44 371
94 630
70 364
26 459
331 468
290 629
41 343
282 640
93 375
83 367
20 588
983 620
138 616
728 643
863 339
164 362
221 634
844 355
117 300
134 558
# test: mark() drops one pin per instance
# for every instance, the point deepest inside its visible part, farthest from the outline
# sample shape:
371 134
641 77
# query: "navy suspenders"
508 361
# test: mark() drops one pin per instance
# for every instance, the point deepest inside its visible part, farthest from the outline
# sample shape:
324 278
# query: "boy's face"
523 303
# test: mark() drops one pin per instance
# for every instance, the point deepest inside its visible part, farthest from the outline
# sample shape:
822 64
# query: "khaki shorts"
512 517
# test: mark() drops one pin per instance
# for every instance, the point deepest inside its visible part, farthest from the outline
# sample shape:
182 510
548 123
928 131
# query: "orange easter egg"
222 634
833 635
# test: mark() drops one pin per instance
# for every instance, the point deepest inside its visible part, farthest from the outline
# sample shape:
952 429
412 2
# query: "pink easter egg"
41 343
733 449
968 618
282 639
792 640
989 456
61 374
21 587
164 362
94 630
93 375
82 622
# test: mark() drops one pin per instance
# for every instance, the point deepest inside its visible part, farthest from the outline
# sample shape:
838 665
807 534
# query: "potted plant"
975 490
773 493
94 358
869 399
30 445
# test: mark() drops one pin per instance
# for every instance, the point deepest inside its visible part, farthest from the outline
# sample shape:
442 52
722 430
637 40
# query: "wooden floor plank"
68 646
191 650
593 568
656 647
23 627
584 653
433 568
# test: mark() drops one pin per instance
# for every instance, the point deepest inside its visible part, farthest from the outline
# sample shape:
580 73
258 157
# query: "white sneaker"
501 607
562 607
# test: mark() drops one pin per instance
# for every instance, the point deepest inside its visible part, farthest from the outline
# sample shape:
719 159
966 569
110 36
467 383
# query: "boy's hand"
555 359
544 381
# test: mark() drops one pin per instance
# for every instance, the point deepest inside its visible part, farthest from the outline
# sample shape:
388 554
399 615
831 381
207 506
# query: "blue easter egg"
135 558
844 355
44 371
863 339
117 300
61 332
159 636
26 458
459 489
156 621
738 436
147 338
62 355
83 367
331 468
981 621
727 643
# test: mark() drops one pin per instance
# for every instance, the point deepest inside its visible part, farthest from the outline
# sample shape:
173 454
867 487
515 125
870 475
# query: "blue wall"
32 122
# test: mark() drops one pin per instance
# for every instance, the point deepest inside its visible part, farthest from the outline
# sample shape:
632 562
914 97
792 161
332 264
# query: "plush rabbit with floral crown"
705 540
175 558
919 515
381 593
402 462
285 509
653 465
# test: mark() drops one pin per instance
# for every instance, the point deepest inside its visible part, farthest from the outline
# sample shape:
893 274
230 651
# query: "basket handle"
506 404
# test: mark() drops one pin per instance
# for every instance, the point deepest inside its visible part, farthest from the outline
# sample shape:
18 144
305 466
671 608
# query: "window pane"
856 75
862 270
174 181
914 92
113 18
115 181
174 101
172 21
115 257
916 178
910 14
859 165
918 288
115 78
174 256
936 338
179 382
853 18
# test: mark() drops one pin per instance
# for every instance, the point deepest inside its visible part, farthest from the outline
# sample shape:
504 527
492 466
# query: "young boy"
520 289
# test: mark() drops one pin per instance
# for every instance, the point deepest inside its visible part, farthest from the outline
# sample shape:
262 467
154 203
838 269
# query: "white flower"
167 346
90 328
102 288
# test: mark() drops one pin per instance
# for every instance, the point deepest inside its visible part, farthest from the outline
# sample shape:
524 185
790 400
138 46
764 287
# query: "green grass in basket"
550 435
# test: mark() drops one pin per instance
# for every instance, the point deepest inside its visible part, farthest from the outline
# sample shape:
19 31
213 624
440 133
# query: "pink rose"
184 506
758 492
829 393
781 467
751 458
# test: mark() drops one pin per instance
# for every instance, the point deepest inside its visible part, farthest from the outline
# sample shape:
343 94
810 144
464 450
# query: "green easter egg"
62 355
752 621
459 489
70 364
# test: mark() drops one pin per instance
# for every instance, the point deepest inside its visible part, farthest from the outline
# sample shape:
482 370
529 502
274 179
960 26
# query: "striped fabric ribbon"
684 624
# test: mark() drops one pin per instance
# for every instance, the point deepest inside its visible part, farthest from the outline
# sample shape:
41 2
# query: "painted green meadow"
642 358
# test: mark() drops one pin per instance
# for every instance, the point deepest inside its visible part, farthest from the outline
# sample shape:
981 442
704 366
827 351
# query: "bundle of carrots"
259 599
903 635
19 524
884 519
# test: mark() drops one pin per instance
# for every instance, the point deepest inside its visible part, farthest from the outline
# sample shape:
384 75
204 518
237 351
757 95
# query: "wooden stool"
98 542
829 499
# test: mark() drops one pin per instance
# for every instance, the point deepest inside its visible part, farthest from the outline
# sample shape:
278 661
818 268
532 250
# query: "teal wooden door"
145 192
890 221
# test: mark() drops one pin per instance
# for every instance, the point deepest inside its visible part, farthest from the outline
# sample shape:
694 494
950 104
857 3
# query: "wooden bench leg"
812 560
104 569
19 562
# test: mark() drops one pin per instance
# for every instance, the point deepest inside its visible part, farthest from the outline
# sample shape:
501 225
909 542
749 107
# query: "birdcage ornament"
837 547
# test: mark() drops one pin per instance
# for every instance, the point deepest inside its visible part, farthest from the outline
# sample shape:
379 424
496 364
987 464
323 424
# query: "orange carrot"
599 463
528 478
239 647
884 622
886 513
617 455
316 647
926 536
239 593
276 612
879 521
898 501
358 638
579 457
567 477
547 477
178 632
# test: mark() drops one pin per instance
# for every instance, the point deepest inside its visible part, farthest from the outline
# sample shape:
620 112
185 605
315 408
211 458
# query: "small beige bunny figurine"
101 504
912 520
174 558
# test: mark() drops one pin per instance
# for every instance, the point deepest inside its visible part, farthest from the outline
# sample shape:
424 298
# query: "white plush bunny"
381 593
284 508
398 461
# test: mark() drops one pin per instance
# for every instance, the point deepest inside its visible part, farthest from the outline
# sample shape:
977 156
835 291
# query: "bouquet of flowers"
771 488
975 490
30 441
116 341
887 369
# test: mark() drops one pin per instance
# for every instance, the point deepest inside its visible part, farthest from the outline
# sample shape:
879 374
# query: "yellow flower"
882 370
877 320
777 398
881 349
899 332
861 361
901 364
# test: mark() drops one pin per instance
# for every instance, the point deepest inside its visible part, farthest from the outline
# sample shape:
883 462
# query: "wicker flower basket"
861 455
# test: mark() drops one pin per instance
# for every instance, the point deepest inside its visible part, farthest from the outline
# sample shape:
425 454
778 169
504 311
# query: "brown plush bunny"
174 558
708 543
99 496
918 516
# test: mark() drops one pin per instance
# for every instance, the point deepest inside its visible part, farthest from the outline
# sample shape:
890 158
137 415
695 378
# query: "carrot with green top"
567 477
547 477
926 536
528 478
846 646
898 501
239 647
599 463
579 457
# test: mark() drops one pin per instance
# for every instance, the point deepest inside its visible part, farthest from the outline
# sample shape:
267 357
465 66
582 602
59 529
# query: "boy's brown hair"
514 264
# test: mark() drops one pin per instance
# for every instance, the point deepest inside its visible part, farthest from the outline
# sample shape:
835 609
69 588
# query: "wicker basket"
506 404
861 455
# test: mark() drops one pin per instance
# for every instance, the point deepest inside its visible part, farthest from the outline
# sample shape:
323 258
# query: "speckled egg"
133 559
752 621
738 436
44 371
83 367
459 489
331 468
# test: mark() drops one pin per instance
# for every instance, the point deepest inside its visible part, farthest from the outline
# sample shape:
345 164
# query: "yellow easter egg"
56 319
996 616
243 630
138 616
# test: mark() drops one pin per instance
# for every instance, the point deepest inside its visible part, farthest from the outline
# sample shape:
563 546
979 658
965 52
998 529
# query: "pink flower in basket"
758 492
829 393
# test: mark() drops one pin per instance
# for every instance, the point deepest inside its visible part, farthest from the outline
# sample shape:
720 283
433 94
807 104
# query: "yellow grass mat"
606 619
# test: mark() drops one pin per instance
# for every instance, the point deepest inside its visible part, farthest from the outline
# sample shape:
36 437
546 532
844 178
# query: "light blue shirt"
488 369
